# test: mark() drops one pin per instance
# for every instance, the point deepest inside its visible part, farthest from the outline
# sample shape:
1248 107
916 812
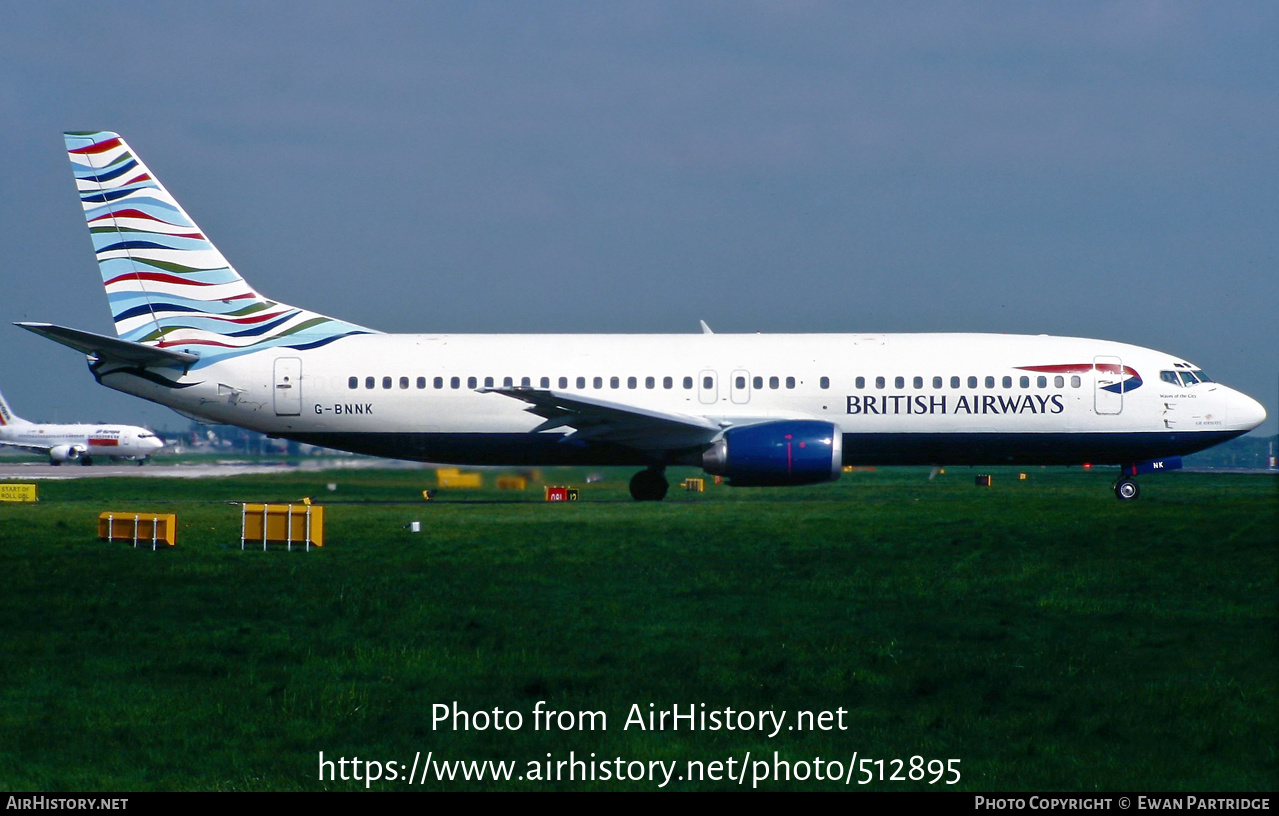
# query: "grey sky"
1093 169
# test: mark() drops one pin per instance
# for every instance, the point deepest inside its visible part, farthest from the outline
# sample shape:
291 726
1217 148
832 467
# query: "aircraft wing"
26 446
112 349
599 420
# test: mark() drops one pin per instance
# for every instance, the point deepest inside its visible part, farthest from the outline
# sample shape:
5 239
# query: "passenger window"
404 382
386 382
353 382
688 383
614 382
598 382
740 383
546 382
1041 381
708 383
456 382
1024 382
758 383
990 382
631 382
1075 381
860 382
774 383
790 382
507 382
899 382
369 382
919 382
954 382
972 382
1059 381
526 382
439 382
581 382
563 382
488 382
650 382
1008 382
667 383
936 382
421 382
879 382
824 382
470 382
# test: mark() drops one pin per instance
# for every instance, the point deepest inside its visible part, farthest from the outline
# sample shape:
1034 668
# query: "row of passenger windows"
708 382
956 382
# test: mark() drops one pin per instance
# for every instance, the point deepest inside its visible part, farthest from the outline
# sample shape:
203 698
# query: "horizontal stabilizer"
111 348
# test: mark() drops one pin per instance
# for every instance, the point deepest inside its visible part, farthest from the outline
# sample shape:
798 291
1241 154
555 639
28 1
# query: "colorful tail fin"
167 284
7 417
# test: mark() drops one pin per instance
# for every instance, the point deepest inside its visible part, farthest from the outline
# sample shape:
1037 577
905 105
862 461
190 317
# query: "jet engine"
786 452
66 453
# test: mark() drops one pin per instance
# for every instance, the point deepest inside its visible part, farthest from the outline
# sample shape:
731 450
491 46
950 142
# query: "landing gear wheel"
86 461
649 485
1126 490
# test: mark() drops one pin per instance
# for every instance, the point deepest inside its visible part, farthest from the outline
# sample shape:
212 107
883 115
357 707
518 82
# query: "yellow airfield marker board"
158 528
13 492
286 524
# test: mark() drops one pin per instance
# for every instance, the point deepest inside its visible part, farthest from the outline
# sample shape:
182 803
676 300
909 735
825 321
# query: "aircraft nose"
1246 412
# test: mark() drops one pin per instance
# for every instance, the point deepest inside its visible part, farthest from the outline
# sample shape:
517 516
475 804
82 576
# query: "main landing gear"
649 485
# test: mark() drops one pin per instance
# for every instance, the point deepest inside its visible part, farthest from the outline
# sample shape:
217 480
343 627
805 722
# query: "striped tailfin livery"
167 284
7 417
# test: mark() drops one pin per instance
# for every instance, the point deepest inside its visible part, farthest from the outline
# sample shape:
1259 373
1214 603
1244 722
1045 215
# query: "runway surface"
21 471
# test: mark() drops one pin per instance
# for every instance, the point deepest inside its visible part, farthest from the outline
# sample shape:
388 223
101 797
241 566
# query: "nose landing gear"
1126 489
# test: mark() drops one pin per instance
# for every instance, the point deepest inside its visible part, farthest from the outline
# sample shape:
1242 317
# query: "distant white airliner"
76 443
756 409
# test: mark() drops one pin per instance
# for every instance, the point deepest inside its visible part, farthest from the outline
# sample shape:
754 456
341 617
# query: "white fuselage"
80 441
898 398
755 409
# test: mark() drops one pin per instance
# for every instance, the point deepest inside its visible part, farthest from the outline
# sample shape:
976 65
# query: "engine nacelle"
66 453
786 452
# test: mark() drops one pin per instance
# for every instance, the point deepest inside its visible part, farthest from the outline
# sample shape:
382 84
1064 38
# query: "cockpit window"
1184 377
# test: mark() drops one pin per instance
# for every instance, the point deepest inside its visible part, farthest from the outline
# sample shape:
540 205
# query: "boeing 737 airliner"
756 409
76 443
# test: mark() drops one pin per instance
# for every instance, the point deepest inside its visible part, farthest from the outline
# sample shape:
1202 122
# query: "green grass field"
1039 631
